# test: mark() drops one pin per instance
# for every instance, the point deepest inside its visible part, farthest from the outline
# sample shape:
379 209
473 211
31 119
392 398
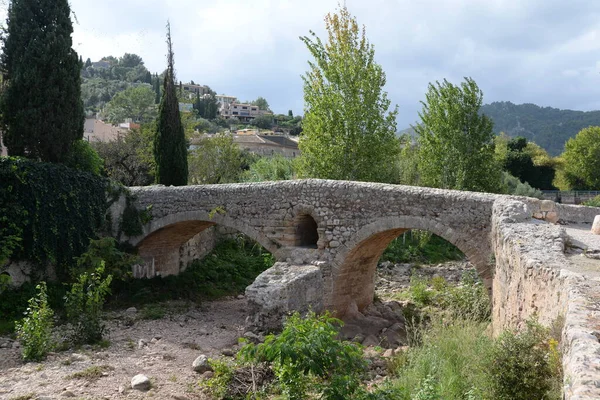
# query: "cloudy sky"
525 51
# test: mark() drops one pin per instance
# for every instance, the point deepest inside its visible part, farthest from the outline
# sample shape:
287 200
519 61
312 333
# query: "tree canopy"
581 161
348 132
136 102
456 148
41 108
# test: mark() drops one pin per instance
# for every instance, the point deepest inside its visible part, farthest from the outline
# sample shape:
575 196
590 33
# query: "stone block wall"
531 279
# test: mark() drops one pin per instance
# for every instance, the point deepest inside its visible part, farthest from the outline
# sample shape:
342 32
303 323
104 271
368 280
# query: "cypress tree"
41 109
170 147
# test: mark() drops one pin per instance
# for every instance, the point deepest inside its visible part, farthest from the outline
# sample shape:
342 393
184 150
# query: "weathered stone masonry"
329 235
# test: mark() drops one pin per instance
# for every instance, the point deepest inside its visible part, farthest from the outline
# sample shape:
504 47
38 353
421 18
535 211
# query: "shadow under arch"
176 229
356 261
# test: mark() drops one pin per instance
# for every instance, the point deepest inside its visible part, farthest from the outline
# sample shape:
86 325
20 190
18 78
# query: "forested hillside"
103 79
548 127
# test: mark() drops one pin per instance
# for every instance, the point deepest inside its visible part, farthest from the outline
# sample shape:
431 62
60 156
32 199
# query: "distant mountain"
549 127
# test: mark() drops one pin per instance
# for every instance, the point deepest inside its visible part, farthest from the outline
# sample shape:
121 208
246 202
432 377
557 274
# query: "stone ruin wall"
532 279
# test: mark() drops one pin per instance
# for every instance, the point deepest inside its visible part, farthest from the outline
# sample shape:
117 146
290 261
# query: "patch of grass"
153 312
92 373
28 396
450 362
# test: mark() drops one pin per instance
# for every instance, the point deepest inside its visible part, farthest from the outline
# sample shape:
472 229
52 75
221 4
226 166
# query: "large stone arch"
163 237
356 261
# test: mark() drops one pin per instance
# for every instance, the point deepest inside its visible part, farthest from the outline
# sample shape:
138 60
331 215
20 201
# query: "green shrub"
595 202
306 357
83 157
468 300
35 330
419 290
84 305
521 366
116 262
515 187
417 246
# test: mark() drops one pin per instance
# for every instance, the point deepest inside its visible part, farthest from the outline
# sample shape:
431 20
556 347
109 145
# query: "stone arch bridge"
328 236
341 227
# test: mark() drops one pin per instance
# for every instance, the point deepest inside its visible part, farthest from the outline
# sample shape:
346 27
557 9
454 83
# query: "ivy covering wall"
48 212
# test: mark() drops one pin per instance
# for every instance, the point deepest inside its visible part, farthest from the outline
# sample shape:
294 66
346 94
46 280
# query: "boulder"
140 382
201 364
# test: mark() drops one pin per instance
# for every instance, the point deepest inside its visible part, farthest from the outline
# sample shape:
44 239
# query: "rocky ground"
165 350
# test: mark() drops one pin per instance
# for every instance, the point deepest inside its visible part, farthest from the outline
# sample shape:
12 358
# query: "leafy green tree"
130 60
216 159
129 159
263 121
88 63
290 114
261 103
136 102
41 108
170 147
83 157
456 148
581 161
276 168
348 132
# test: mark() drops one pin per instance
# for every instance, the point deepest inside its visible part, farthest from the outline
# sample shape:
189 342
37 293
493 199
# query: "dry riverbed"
162 349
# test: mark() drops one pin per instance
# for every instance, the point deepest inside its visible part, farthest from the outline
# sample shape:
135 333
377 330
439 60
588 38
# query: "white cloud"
540 51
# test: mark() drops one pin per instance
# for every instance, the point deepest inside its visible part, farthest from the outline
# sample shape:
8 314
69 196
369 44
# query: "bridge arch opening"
306 233
356 264
165 246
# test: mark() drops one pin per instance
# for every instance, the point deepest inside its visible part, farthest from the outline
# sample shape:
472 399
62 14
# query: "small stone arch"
306 231
184 224
159 245
355 264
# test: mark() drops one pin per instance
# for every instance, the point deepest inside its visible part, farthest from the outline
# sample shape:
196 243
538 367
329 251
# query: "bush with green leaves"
594 202
84 305
105 250
307 358
420 246
35 330
522 367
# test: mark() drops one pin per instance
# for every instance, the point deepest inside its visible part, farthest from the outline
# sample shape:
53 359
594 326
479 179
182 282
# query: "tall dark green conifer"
170 147
41 108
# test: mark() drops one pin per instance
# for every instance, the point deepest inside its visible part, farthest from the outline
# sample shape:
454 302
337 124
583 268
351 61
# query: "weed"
35 330
153 312
92 373
28 396
84 305
306 357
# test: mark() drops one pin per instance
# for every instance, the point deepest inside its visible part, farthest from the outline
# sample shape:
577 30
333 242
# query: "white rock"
201 364
140 382
131 310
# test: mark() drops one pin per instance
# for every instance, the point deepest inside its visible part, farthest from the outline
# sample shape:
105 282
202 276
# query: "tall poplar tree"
170 147
348 132
456 142
41 109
